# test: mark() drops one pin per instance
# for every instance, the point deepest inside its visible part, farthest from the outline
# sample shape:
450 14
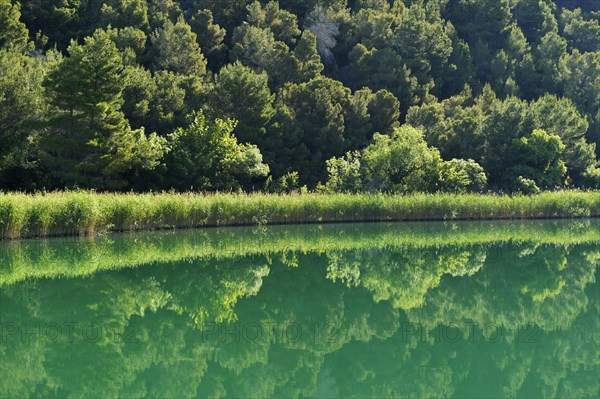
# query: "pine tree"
244 95
13 32
176 49
90 142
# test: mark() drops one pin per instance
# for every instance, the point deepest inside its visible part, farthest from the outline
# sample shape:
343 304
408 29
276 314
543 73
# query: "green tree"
207 156
506 121
138 92
257 48
125 13
536 157
89 76
458 71
591 178
345 174
227 14
282 23
367 113
172 101
549 52
129 39
210 36
90 143
484 21
358 128
559 116
409 61
160 12
22 106
57 20
582 33
176 49
383 69
452 125
244 95
13 32
535 18
594 133
484 129
309 62
309 127
384 111
462 175
372 26
402 162
580 80
487 27
423 44
159 101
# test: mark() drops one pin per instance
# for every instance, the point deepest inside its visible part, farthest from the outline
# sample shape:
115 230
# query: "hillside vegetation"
340 96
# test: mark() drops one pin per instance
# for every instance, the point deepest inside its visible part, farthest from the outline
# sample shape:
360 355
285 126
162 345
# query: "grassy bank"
86 213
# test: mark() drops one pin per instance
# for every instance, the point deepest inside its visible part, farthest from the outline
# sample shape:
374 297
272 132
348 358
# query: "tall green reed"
87 213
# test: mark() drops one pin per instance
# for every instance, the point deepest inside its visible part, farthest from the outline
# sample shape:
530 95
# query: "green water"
415 310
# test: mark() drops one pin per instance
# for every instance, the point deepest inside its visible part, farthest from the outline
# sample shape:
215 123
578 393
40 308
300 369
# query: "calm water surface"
415 310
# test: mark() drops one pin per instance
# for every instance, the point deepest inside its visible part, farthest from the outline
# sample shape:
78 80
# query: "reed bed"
87 213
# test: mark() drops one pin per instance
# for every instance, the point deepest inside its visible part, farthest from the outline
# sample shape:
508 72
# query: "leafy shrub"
402 162
345 173
206 155
537 157
524 185
591 178
460 175
287 183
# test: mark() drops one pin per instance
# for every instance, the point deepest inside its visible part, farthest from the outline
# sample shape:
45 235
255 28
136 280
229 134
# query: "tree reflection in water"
413 310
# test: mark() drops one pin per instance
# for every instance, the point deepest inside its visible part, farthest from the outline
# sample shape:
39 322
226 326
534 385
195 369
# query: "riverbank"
88 213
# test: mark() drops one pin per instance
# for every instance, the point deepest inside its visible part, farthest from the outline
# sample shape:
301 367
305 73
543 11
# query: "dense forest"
331 95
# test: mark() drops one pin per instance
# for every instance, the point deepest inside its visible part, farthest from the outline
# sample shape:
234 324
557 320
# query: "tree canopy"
91 91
